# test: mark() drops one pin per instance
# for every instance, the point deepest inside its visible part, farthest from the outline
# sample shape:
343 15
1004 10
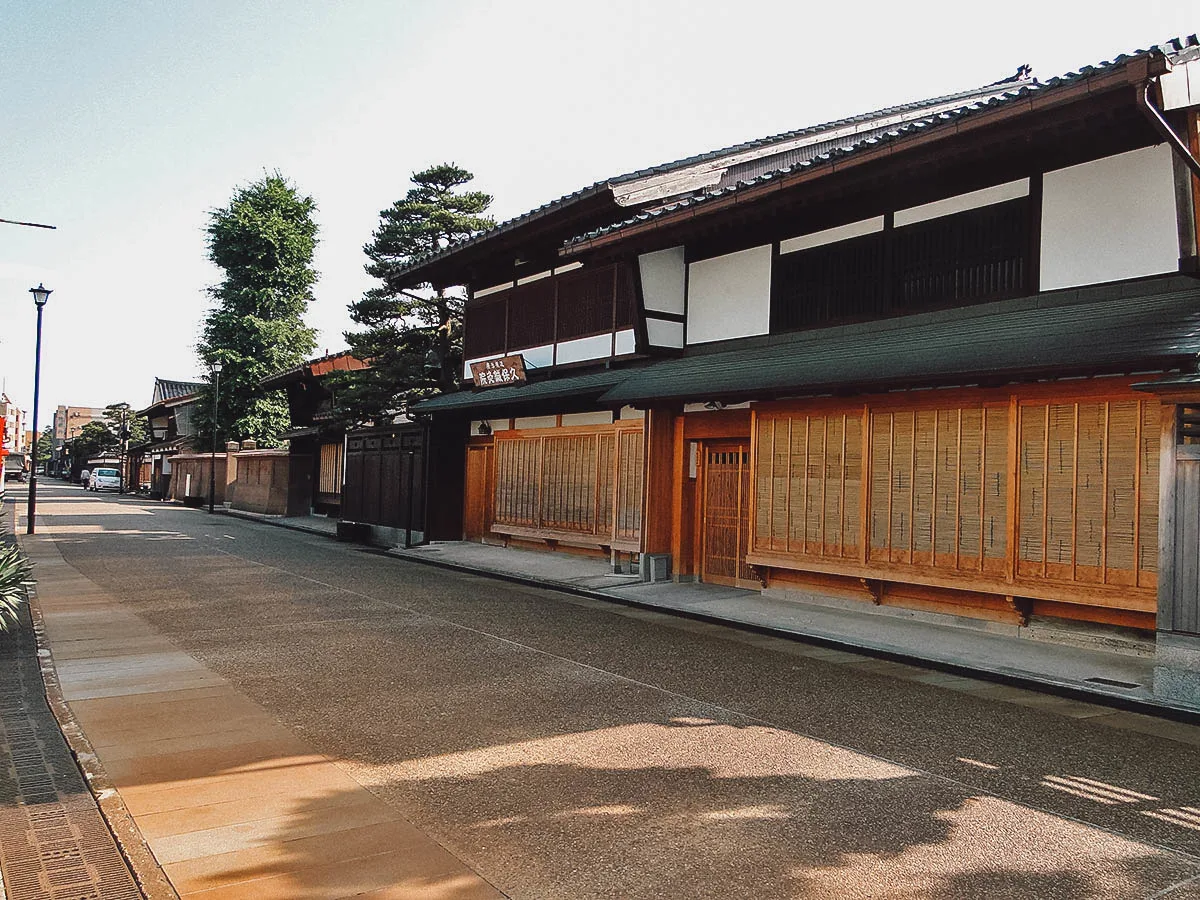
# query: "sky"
125 124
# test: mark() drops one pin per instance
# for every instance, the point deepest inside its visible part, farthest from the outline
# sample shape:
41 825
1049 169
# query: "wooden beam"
658 481
1166 518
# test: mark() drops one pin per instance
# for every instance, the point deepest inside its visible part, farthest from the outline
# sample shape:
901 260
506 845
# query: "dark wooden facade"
1021 487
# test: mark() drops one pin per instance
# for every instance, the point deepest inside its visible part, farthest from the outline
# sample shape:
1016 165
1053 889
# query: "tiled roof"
1146 325
165 389
1177 50
592 384
756 148
343 360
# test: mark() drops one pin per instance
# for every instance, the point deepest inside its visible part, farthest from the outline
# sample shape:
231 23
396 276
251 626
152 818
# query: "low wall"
190 475
260 482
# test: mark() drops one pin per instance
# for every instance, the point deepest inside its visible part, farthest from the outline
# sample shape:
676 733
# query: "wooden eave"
534 238
980 135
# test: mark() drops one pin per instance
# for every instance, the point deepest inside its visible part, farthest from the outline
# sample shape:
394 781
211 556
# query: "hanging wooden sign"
499 372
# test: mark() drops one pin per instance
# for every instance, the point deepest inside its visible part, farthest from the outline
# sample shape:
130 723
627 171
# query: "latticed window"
957 260
941 493
586 482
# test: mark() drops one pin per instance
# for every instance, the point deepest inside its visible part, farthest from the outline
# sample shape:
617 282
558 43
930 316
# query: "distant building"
15 436
69 421
12 438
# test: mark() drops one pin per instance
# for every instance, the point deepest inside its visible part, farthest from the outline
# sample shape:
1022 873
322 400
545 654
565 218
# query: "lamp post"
40 296
212 466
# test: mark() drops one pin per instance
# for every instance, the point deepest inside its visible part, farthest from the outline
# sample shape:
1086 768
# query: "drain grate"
54 843
1112 682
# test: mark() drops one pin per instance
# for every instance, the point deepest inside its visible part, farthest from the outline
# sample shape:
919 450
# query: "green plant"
15 569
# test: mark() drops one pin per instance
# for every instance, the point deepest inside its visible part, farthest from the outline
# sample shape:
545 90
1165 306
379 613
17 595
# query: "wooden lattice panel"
1088 487
808 484
578 481
938 487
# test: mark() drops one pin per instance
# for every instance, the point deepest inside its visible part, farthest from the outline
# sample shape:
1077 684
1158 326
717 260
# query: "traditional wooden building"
316 440
941 356
172 431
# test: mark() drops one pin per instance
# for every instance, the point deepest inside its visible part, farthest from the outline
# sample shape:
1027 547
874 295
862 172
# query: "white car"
105 480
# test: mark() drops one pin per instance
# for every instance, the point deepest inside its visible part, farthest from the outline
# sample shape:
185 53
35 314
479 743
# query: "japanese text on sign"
499 372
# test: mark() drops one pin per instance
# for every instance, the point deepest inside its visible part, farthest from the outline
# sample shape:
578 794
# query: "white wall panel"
603 417
663 280
626 342
729 296
832 235
538 357
1109 219
495 288
597 347
661 333
962 202
536 422
467 363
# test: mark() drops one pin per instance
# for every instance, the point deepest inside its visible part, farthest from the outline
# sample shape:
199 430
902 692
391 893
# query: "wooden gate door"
478 505
725 515
300 485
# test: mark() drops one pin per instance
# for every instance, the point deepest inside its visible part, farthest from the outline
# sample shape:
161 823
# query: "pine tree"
412 334
264 241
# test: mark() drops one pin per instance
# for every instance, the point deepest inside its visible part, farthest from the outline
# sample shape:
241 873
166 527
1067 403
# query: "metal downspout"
1154 115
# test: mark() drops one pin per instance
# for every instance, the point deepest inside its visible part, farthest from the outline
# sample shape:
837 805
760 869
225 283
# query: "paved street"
562 747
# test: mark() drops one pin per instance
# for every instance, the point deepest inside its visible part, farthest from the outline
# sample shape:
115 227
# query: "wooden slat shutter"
1088 491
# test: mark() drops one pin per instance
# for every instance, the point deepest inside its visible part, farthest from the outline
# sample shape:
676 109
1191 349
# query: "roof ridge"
817 129
1189 46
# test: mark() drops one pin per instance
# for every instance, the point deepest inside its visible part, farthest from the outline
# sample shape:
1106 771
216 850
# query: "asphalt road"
569 748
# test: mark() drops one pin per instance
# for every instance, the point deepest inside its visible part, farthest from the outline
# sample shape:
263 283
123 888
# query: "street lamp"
212 466
40 296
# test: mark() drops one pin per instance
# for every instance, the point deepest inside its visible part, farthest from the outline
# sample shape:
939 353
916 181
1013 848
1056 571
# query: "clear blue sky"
124 123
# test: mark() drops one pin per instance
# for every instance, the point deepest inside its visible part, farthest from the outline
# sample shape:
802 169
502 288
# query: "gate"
385 478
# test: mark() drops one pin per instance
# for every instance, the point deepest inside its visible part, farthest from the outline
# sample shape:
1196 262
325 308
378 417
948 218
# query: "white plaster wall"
1181 86
663 280
596 347
536 422
832 235
1109 219
631 412
467 364
603 417
729 296
626 342
962 202
494 424
661 333
538 357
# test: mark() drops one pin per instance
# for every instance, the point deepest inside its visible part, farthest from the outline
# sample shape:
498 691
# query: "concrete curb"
1012 677
132 846
266 520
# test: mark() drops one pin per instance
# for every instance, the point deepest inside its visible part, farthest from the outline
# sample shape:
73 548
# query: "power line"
29 224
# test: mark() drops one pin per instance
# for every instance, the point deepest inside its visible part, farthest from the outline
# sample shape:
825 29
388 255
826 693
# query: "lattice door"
726 522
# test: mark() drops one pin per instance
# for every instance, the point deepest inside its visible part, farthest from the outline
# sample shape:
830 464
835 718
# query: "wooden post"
657 493
1166 519
678 483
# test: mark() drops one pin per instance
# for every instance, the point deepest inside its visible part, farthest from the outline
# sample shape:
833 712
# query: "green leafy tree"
44 446
264 241
94 439
126 424
411 334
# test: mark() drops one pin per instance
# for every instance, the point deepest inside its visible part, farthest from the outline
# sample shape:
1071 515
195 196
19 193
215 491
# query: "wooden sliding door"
725 528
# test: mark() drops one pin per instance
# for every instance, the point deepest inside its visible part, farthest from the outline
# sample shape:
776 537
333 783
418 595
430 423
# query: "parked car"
105 480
